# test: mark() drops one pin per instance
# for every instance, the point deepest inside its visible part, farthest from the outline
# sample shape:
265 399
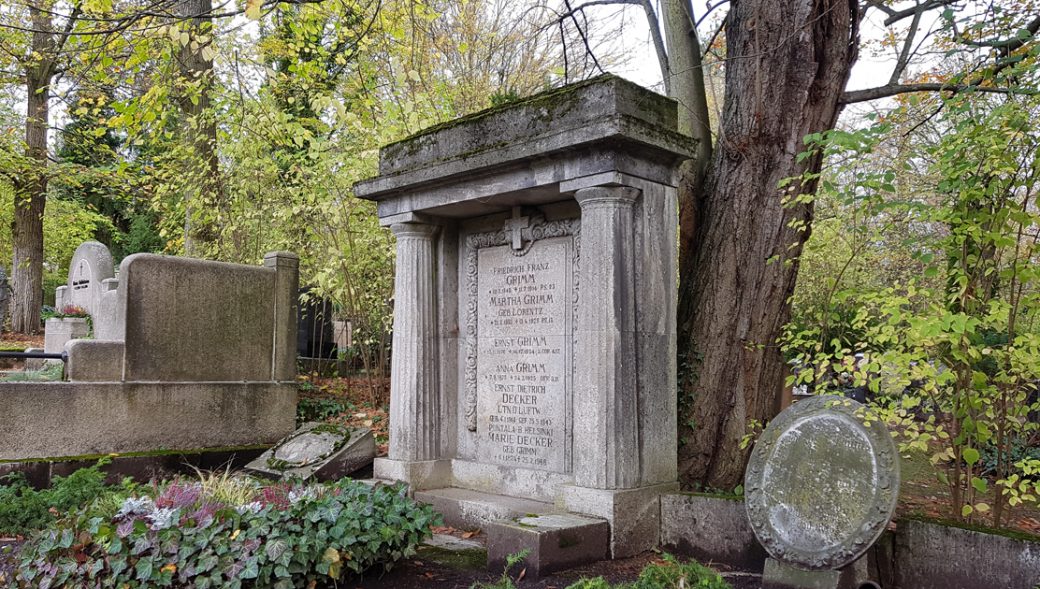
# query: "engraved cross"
516 225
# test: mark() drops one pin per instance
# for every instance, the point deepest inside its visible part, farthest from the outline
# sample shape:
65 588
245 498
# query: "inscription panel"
523 355
821 483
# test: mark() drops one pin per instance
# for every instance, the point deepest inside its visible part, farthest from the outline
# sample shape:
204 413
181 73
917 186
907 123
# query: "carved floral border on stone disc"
862 534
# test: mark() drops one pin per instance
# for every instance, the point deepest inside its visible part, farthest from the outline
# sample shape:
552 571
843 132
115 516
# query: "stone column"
415 424
606 387
608 440
286 268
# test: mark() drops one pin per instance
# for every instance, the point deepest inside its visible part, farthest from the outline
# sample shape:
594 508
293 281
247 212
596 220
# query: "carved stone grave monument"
820 488
534 321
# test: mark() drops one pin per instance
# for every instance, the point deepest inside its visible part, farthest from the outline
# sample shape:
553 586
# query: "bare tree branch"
904 55
662 54
887 90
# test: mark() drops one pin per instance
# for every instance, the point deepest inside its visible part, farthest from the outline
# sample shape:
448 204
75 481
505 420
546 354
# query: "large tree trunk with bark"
203 189
786 67
31 189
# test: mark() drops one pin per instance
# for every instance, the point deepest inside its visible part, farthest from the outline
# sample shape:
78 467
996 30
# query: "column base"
419 476
778 575
634 514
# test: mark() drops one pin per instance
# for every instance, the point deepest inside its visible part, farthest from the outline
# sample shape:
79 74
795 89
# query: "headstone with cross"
516 224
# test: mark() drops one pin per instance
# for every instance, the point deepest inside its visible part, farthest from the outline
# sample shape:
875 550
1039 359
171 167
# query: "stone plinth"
552 542
60 330
534 318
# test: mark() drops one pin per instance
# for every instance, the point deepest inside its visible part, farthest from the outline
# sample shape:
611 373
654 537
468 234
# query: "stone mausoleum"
534 322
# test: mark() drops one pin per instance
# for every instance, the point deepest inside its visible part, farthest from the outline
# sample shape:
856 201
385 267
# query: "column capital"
611 196
414 229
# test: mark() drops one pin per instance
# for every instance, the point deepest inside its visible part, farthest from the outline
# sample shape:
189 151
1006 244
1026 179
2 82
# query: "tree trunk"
787 65
203 190
31 191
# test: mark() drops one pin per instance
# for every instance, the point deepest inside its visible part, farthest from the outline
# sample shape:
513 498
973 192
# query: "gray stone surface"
523 355
110 317
43 420
60 330
318 451
933 556
553 542
90 265
94 360
196 320
711 529
634 514
821 485
534 320
778 575
466 509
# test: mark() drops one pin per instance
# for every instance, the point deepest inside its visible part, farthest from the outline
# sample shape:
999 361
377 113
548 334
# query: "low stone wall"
141 467
918 555
56 419
934 556
710 529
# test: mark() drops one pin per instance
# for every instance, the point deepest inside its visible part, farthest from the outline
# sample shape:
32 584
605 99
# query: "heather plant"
181 535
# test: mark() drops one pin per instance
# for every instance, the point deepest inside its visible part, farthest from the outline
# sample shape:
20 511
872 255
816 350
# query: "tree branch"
659 47
887 90
904 55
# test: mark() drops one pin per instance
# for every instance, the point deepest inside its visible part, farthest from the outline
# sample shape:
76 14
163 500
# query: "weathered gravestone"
91 264
534 320
820 488
91 268
317 450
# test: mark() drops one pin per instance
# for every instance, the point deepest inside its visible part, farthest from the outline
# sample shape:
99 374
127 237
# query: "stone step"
467 509
551 542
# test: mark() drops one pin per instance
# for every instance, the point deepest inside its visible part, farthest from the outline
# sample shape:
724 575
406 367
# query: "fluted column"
414 399
606 387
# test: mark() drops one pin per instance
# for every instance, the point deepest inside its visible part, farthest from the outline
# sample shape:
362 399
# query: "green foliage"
287 535
55 371
319 409
667 574
24 509
950 341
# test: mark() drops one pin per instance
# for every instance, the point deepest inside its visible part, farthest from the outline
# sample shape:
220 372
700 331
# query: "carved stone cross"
516 225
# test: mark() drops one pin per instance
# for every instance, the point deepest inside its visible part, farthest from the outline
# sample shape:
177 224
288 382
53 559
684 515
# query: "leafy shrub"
318 409
23 509
671 574
287 536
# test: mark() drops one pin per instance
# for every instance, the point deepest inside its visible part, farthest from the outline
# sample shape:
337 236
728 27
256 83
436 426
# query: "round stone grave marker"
307 447
821 485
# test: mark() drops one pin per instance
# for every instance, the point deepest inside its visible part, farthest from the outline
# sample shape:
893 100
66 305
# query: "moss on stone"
472 559
1012 534
140 454
726 496
554 97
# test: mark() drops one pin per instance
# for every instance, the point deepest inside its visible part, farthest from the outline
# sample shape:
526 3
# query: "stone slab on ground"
463 508
317 450
553 542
